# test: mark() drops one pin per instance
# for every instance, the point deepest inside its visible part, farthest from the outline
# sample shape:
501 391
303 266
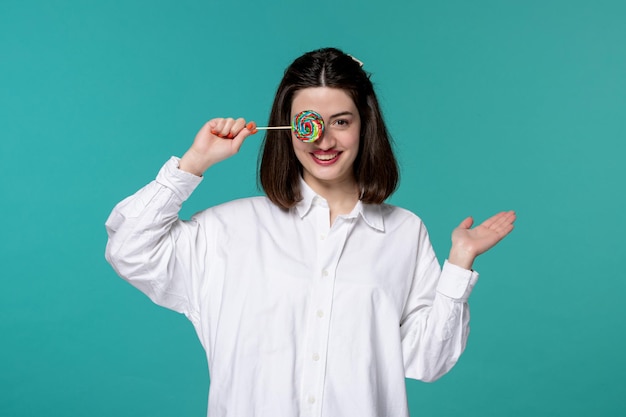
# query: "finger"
240 123
228 127
491 220
503 231
217 125
222 126
234 127
495 219
512 216
207 128
503 220
467 223
252 127
240 137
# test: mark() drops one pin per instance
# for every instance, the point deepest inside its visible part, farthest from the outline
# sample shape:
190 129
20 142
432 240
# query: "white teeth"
326 157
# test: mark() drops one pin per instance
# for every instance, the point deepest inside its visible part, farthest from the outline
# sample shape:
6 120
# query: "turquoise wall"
494 105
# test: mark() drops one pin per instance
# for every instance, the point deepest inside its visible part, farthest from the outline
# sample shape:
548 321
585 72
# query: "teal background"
493 105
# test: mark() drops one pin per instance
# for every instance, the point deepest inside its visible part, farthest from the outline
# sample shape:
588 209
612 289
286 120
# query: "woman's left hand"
468 243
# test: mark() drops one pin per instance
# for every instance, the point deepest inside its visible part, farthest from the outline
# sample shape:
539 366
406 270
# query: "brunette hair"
375 167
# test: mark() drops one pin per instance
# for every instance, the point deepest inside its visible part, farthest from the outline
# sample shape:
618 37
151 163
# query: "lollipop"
308 126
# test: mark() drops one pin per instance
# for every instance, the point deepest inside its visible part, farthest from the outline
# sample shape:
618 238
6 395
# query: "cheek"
297 144
353 140
300 148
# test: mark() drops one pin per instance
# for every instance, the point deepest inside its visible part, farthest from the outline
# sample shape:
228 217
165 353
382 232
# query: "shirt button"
320 313
325 273
322 236
311 399
316 357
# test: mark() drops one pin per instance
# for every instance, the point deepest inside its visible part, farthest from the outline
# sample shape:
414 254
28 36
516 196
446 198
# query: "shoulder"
402 225
244 208
395 216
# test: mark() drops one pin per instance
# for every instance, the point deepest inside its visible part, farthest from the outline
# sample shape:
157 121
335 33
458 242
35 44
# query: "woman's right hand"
217 140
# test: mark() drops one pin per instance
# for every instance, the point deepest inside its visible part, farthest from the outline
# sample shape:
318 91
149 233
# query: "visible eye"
341 122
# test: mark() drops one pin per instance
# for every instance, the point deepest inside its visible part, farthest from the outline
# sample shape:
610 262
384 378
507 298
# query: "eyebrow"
343 113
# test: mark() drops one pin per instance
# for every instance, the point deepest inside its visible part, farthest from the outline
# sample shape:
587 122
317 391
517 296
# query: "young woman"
319 299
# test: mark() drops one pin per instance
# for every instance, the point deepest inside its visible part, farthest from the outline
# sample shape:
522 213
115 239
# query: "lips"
325 157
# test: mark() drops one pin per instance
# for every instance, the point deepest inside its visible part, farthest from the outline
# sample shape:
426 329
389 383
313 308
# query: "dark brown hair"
375 167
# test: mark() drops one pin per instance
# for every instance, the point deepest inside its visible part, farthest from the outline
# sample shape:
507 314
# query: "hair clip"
356 60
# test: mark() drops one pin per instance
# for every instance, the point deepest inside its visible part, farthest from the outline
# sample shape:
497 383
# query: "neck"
341 196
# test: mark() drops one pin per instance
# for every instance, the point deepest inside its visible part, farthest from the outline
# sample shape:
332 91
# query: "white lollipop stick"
307 125
272 127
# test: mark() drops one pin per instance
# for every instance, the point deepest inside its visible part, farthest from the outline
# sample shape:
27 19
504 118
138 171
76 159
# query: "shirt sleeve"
435 323
152 249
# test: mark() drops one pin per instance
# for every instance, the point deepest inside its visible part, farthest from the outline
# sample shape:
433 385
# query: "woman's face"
328 160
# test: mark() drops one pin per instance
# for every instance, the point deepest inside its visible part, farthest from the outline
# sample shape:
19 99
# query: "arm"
435 324
148 244
146 237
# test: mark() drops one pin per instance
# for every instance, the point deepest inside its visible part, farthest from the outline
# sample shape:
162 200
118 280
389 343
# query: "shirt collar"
372 214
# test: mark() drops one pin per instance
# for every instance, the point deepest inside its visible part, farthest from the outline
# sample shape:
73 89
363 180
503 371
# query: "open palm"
483 237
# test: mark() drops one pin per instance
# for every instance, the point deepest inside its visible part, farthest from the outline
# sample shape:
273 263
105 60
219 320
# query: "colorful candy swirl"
308 126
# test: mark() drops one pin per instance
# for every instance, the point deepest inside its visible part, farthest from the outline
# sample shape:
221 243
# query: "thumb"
242 135
467 223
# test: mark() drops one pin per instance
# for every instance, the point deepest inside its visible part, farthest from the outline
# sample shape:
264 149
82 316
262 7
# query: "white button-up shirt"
297 317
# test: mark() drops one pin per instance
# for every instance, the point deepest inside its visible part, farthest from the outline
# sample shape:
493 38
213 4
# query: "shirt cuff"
180 182
456 282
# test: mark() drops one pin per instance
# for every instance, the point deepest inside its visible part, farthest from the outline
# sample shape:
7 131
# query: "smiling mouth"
326 156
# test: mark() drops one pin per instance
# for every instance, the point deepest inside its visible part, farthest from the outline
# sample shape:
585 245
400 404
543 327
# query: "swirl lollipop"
308 126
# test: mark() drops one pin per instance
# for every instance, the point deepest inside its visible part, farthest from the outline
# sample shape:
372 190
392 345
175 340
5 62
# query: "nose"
326 140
